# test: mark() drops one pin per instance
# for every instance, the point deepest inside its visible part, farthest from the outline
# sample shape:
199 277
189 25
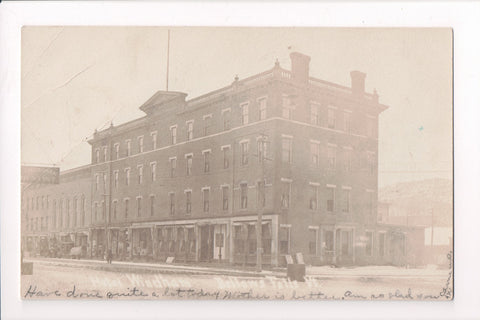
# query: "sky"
78 79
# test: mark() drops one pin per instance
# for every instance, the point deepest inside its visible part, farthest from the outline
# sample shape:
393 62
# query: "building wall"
344 127
59 207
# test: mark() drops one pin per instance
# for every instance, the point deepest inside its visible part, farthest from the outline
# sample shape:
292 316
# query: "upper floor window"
244 152
225 198
207 124
117 150
97 182
261 148
243 195
153 170
129 147
244 109
331 156
206 199
97 155
189 162
173 166
154 140
330 199
287 107
226 156
115 179
114 209
285 194
262 108
189 130
206 161
140 144
104 209
127 203
226 113
173 134
315 153
172 202
315 114
287 155
261 194
104 181
140 174
152 205
127 176
347 122
139 206
331 118
188 201
347 158
105 154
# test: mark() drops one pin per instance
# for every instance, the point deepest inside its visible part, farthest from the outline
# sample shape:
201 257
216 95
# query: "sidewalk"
229 270
131 266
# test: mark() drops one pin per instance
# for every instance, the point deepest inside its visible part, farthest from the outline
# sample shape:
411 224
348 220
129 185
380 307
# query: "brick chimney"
300 67
358 83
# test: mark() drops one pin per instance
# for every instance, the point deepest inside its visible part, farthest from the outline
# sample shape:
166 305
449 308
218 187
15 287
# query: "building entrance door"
206 242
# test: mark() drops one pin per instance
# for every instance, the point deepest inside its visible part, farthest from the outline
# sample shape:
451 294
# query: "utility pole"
260 203
109 194
260 200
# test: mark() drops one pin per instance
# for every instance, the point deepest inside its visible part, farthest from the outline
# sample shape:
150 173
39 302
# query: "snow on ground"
430 270
77 282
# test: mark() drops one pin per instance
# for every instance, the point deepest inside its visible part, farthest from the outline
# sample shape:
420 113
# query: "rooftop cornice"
175 98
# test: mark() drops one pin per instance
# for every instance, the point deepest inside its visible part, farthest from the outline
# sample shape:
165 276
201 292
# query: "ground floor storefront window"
239 239
267 238
284 240
252 239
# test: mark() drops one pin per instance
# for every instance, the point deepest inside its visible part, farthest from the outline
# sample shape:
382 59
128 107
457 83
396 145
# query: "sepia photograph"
236 163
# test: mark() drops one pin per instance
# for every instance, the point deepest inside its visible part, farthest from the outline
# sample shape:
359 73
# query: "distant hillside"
420 198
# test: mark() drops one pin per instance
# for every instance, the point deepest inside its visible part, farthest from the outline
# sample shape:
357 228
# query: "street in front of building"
97 280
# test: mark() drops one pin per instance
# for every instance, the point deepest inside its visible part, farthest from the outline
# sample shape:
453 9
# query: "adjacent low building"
191 178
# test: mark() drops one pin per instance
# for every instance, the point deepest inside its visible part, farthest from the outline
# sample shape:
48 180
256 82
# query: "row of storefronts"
233 241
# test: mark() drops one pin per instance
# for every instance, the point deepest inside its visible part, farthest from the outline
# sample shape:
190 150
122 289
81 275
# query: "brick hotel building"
188 179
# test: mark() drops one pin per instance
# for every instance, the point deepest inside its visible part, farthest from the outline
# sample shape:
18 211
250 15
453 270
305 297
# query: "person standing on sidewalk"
109 256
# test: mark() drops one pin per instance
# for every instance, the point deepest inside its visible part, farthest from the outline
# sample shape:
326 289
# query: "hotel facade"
191 179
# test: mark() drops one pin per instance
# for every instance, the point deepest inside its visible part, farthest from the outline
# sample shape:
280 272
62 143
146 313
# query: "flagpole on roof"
168 56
